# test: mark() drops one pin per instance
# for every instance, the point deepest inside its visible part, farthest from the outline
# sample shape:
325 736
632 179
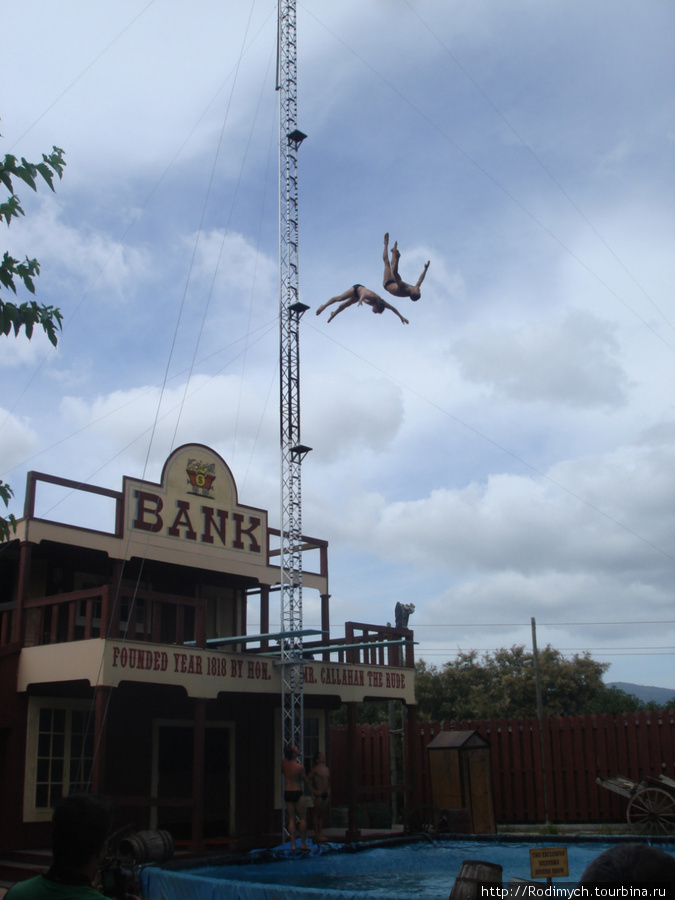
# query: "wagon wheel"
652 809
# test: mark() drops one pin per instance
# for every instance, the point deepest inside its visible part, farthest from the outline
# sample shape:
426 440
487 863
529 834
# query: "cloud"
607 513
76 255
568 360
350 415
18 439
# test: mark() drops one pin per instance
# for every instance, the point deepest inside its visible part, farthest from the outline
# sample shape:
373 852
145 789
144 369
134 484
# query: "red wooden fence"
577 750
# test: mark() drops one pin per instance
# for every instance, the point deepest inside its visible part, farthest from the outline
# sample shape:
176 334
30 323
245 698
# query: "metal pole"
292 451
540 714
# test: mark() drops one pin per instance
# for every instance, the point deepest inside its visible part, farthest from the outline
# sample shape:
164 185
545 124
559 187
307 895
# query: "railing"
102 612
374 645
140 615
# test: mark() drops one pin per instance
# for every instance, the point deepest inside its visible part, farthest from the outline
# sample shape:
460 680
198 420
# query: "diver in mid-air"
359 294
392 281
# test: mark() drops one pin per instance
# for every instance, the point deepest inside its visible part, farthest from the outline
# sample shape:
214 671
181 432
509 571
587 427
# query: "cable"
537 160
494 443
200 228
541 624
437 128
138 437
84 72
140 210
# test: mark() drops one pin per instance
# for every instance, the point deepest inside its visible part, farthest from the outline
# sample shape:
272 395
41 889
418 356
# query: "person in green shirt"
80 826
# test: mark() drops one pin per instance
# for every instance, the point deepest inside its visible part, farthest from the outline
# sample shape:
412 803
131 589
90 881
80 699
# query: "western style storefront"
128 667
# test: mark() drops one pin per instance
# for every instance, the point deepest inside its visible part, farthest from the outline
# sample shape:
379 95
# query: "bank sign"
195 509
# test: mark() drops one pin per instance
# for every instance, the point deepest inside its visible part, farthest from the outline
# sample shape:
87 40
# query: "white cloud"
570 361
17 440
349 415
75 255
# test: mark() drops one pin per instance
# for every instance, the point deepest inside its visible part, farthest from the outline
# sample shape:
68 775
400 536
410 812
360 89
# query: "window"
59 754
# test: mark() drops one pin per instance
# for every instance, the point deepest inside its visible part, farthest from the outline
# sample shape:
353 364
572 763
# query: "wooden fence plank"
577 751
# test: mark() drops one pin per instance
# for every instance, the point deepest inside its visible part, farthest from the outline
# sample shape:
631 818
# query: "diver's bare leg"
388 276
347 303
395 256
344 296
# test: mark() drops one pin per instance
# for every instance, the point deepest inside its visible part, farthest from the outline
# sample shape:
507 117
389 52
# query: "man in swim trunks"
392 280
359 294
295 778
319 777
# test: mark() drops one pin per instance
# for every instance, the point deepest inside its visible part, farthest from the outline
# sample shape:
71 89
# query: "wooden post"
101 700
353 833
540 715
412 764
21 596
198 775
325 622
264 614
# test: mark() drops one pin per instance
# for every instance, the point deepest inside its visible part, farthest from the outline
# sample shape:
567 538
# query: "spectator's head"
80 825
627 864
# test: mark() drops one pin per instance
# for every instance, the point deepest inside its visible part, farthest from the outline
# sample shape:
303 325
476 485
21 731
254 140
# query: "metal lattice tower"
292 451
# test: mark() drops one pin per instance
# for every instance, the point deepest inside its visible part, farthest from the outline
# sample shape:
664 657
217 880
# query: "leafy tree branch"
14 316
16 273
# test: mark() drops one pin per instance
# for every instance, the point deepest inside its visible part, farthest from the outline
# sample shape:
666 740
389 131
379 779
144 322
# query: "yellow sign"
549 862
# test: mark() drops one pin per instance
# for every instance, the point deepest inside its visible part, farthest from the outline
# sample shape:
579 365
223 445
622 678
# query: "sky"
506 456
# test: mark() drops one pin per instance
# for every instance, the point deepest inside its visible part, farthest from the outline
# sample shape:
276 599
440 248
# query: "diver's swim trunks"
292 796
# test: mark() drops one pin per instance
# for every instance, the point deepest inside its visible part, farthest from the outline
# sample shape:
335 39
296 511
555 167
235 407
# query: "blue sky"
509 453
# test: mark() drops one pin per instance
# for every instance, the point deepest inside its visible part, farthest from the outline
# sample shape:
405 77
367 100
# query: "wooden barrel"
148 846
472 875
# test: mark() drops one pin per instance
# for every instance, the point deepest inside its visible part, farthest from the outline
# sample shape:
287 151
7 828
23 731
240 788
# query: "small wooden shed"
461 777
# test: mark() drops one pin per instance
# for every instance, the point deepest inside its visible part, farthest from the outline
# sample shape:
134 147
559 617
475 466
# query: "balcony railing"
103 612
373 645
172 619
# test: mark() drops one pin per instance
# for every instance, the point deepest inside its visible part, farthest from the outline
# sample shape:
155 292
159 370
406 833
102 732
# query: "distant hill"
645 692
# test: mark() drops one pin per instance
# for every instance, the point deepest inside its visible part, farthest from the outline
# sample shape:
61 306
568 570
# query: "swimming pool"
398 871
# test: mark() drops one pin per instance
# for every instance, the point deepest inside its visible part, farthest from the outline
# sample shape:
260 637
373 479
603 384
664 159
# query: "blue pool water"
408 871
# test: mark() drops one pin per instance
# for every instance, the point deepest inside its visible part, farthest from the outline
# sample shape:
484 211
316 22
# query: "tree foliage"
8 523
27 315
502 685
14 272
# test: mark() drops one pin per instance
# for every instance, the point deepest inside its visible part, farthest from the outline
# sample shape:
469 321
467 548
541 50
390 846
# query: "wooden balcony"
171 619
103 612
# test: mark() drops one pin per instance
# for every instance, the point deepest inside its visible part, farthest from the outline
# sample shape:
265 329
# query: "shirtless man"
392 280
359 294
295 778
319 778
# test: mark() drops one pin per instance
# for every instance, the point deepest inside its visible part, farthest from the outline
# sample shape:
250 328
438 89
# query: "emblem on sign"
201 476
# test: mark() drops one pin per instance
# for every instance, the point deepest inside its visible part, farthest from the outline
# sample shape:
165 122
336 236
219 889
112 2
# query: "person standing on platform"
295 779
319 778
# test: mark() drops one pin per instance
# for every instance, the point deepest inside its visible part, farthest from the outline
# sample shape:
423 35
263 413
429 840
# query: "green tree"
502 684
13 272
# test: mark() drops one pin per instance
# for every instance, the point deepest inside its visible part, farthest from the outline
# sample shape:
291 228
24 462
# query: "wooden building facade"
128 667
